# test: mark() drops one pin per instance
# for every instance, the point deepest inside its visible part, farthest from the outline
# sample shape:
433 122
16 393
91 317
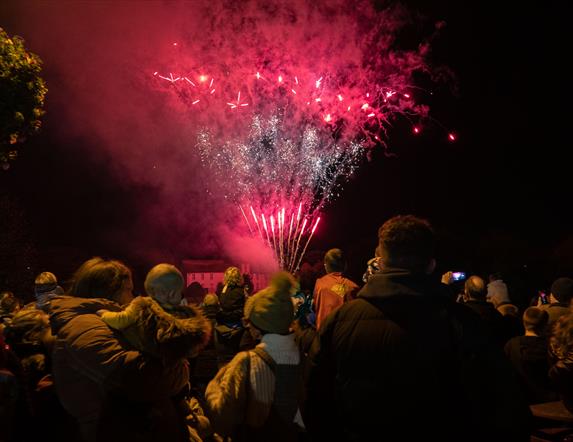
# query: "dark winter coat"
492 319
528 355
232 305
114 392
404 362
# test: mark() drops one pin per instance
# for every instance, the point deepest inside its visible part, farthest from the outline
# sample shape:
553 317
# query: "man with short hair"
333 289
405 362
475 292
528 355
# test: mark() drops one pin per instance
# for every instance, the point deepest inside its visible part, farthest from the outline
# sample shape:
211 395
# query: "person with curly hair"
561 358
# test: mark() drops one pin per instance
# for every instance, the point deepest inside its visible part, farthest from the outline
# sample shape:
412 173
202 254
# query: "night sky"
498 197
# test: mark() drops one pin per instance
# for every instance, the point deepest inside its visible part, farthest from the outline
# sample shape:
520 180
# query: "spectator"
45 288
229 330
372 266
559 299
497 290
113 391
512 319
10 394
150 329
405 362
211 306
39 412
165 283
232 297
475 292
561 359
254 397
9 305
528 355
153 331
248 284
193 294
333 289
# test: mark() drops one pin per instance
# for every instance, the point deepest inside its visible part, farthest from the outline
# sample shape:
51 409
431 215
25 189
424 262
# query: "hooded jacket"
402 362
149 328
113 391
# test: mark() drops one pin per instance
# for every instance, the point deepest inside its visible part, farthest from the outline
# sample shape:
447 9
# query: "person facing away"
475 292
405 362
559 300
113 391
561 359
148 326
232 297
255 397
165 284
497 292
528 355
45 288
333 289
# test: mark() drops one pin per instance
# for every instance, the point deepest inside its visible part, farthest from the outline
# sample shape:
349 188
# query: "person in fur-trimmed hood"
255 396
156 325
152 330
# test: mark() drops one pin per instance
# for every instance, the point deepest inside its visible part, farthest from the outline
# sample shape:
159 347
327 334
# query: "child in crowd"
210 306
255 396
158 326
528 355
45 288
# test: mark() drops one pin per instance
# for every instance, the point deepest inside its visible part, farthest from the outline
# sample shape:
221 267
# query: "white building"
209 273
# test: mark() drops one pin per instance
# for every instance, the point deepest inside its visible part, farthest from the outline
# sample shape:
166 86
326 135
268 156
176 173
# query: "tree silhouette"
22 93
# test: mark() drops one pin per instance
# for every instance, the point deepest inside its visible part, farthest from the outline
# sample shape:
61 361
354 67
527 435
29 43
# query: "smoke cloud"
112 70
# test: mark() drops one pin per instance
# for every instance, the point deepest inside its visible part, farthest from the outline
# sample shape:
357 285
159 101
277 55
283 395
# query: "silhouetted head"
102 278
475 288
165 283
407 242
562 290
535 319
232 277
334 261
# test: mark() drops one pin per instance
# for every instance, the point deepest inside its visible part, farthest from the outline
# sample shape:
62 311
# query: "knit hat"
562 289
271 309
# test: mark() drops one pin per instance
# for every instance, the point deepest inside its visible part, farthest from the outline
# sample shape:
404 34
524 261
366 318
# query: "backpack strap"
265 357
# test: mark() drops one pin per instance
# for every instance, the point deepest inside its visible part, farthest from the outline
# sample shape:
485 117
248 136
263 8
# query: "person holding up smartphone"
450 279
559 299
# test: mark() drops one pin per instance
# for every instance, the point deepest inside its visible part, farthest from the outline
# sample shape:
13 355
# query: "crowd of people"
400 356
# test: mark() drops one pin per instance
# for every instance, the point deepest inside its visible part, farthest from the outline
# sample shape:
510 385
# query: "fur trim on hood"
176 337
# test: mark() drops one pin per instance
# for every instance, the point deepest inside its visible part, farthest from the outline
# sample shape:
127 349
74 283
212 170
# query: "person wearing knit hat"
559 299
271 310
254 397
45 288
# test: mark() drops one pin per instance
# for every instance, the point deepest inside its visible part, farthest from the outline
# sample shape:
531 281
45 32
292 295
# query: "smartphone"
543 297
458 276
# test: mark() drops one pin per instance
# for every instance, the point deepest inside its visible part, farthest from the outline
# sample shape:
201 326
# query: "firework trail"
274 176
287 98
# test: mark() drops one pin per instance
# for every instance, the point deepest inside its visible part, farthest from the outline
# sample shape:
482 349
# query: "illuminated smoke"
281 184
287 98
